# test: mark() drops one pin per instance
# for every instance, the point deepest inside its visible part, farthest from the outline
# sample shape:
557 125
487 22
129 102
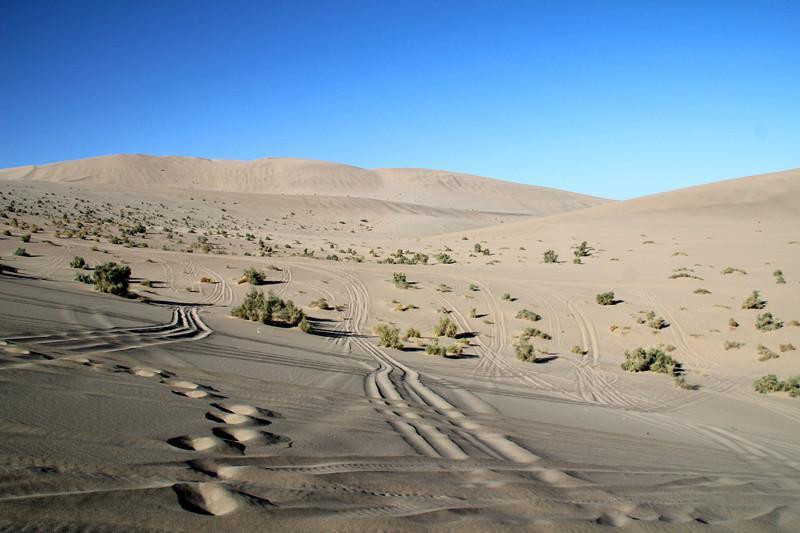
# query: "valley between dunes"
161 411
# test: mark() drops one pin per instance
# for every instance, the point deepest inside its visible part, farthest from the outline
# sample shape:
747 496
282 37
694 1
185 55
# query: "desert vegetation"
605 298
270 310
112 278
771 383
388 336
653 359
445 328
754 301
550 256
527 314
767 322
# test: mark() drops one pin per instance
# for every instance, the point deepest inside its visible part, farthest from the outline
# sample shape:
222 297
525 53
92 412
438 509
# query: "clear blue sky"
616 99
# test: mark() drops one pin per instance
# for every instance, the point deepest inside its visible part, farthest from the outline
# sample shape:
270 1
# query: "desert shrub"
473 313
445 328
434 348
653 321
578 350
253 276
652 359
768 383
455 349
767 322
794 323
443 287
473 287
388 336
765 354
506 296
533 332
605 298
21 252
550 256
527 314
787 347
112 278
678 275
779 277
754 301
321 303
412 333
731 270
733 324
702 291
400 281
525 351
444 258
77 262
252 308
146 283
730 345
26 238
681 383
7 233
82 277
477 248
206 279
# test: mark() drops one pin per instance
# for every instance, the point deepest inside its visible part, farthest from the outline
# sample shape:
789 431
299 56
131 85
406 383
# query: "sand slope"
298 176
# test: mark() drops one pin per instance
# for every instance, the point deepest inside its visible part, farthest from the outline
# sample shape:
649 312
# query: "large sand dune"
299 176
164 412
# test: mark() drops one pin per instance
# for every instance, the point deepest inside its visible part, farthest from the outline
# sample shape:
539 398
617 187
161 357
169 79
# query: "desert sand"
161 411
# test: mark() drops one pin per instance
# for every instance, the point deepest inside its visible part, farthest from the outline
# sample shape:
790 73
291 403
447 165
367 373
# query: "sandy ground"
166 413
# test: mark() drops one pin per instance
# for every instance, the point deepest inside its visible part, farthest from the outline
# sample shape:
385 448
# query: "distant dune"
435 188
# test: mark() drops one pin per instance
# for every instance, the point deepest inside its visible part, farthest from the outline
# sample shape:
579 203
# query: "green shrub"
26 238
112 278
444 258
412 333
77 262
525 351
729 345
765 354
578 350
731 270
455 349
252 308
605 298
388 336
400 281
652 359
7 233
655 322
732 323
21 252
550 256
767 322
506 296
445 328
268 310
322 303
779 277
473 313
527 314
434 348
768 383
473 287
702 291
253 276
754 301
787 347
533 332
84 278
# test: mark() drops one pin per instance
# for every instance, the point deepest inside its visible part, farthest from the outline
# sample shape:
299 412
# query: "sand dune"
305 177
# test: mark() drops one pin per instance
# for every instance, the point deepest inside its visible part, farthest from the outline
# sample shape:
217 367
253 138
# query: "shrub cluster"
652 359
78 262
771 383
400 281
445 328
388 336
550 256
253 276
527 314
112 278
270 310
754 301
525 351
533 332
767 322
605 298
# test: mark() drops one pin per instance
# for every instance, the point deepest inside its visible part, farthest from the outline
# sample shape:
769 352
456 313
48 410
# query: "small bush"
731 270
112 278
84 278
525 351
21 252
730 345
26 238
445 328
455 349
768 383
322 303
787 347
400 281
434 348
702 291
754 301
388 336
767 322
253 276
733 324
527 314
473 313
655 322
779 277
653 359
146 283
206 279
413 333
506 296
605 298
765 354
578 350
533 332
550 256
77 262
473 287
270 310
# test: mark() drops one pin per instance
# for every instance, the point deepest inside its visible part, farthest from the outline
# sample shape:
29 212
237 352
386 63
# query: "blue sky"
616 99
